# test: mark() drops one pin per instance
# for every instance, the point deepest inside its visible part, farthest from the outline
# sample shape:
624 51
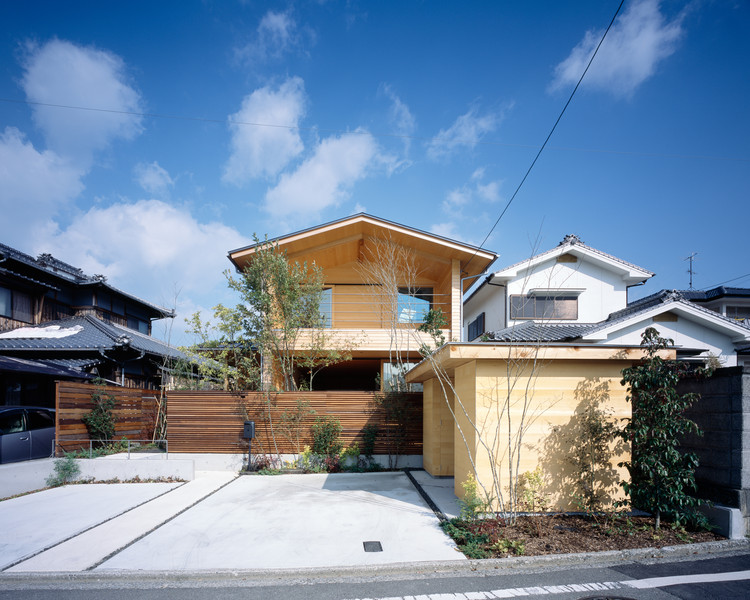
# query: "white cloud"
34 187
457 200
257 151
466 132
324 179
153 250
153 178
145 244
63 73
633 48
400 117
277 34
447 230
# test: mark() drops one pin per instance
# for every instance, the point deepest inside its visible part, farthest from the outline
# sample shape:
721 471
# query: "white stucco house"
575 293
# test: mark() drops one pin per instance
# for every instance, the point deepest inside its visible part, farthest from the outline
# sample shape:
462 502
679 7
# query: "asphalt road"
646 582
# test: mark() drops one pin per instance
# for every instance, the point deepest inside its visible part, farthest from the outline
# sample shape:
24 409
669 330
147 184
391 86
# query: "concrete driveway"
219 521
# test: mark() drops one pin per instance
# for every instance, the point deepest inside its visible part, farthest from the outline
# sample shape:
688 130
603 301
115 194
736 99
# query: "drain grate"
373 546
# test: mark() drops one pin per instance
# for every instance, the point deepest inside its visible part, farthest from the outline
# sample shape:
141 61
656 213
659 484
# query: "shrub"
326 433
65 470
100 422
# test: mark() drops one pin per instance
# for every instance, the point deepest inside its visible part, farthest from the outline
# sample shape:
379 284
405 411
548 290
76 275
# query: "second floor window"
563 307
15 305
413 304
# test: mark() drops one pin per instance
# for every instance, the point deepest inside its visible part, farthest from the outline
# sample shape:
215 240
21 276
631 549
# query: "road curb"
397 571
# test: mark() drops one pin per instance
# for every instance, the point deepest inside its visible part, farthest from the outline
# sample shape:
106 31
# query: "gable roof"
349 232
650 306
82 334
572 244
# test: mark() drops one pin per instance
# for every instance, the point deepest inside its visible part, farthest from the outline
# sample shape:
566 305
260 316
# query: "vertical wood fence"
212 422
135 413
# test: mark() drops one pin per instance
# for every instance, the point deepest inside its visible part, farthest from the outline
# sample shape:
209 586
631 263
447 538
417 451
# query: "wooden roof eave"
453 355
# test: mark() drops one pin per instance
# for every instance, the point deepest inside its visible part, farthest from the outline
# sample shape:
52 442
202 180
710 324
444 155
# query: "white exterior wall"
604 291
490 300
685 333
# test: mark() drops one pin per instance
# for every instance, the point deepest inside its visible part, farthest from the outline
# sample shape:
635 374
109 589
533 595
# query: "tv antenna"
691 258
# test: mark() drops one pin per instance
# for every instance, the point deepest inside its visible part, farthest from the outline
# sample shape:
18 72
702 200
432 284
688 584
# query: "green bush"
100 422
326 433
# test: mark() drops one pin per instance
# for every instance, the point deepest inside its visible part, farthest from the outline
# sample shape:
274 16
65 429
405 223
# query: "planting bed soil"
563 534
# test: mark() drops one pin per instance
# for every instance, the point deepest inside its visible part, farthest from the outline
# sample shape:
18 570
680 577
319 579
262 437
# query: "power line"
538 154
727 281
133 113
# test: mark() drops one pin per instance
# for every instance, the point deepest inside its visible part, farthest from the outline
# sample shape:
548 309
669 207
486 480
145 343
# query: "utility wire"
433 139
723 282
538 154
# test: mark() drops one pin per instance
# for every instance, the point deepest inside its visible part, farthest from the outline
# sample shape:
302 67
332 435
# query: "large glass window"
326 307
544 307
413 304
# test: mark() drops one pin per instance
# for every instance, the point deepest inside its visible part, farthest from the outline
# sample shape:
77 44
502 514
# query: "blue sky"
278 116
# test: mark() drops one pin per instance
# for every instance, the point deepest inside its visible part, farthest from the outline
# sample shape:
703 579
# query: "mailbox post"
249 433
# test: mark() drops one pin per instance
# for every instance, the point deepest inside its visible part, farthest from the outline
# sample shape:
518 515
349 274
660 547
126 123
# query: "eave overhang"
450 356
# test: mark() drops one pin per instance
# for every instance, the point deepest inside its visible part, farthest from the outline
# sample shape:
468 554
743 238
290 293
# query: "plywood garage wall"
212 422
553 396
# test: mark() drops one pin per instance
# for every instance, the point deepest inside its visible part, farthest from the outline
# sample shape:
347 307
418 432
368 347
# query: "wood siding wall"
135 412
213 421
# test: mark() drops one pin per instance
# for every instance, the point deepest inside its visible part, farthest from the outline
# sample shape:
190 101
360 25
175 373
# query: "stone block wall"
723 413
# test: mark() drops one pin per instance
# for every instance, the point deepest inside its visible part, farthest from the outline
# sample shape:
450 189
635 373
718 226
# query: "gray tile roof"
40 367
573 240
95 335
531 331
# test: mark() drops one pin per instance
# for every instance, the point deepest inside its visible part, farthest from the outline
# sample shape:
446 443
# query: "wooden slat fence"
212 422
135 413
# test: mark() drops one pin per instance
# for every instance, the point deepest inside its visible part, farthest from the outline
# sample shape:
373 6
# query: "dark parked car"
26 432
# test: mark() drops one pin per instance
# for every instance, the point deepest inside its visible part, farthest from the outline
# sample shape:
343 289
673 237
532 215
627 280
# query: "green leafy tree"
661 475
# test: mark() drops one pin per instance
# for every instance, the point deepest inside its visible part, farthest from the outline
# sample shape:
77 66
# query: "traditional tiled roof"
85 333
60 270
40 367
571 240
560 332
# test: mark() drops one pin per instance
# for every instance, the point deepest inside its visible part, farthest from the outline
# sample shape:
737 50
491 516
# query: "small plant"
261 463
310 462
332 464
65 470
326 433
100 422
472 544
516 547
472 505
533 498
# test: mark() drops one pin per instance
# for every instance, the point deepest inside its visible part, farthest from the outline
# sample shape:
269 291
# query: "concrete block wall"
723 413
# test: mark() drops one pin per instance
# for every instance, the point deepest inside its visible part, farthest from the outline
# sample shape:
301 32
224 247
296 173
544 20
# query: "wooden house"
380 279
